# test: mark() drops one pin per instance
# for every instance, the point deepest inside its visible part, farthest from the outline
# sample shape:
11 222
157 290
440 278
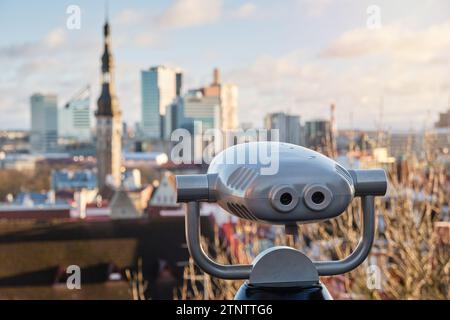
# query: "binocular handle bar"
239 271
202 260
330 268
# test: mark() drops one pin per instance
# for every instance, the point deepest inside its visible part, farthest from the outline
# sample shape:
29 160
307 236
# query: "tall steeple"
109 121
107 103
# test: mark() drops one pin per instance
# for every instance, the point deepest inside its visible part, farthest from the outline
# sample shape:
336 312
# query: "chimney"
333 130
333 116
216 76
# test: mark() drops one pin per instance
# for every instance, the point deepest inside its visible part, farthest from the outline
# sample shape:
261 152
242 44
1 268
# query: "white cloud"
145 40
49 65
55 38
392 41
315 8
244 11
180 14
406 74
408 68
128 16
188 13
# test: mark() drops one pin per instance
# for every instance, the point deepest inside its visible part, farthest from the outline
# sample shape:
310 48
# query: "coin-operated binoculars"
304 187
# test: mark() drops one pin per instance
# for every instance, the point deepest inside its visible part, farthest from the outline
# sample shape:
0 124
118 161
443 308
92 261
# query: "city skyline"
151 118
299 72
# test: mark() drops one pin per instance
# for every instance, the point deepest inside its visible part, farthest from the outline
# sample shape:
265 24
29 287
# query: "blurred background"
92 91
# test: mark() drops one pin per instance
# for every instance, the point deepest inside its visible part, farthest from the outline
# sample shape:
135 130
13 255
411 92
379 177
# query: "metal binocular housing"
283 184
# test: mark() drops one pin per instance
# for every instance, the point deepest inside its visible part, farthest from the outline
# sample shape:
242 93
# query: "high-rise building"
109 122
160 85
74 119
44 123
179 83
444 120
228 105
202 109
228 97
318 135
200 113
174 118
288 127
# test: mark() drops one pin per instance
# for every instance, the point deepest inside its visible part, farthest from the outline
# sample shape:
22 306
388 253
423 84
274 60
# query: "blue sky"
292 55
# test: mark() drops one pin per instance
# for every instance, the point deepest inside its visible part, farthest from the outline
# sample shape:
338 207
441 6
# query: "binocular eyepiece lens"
286 199
318 197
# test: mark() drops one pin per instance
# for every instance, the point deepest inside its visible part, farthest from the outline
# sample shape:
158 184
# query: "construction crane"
83 93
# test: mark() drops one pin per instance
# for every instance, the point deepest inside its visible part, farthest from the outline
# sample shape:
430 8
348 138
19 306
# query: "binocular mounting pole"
279 268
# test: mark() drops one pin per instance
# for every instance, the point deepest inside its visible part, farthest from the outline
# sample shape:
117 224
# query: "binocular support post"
324 268
200 257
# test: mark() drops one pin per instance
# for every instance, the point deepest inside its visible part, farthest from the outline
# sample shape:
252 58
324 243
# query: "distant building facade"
288 127
401 144
19 161
441 133
318 134
74 121
144 159
202 109
166 193
35 206
164 199
44 123
132 179
444 120
73 180
160 85
174 118
228 101
14 141
165 108
122 207
109 122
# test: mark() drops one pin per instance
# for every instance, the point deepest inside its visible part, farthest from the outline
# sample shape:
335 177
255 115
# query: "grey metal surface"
295 270
245 190
287 197
369 182
200 258
297 167
192 188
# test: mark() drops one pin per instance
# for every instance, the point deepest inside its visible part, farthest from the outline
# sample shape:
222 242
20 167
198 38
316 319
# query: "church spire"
109 122
106 10
107 103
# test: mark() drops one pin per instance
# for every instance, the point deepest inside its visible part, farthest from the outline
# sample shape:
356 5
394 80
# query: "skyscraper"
228 105
74 119
109 122
444 120
318 135
44 123
160 85
200 108
287 125
200 114
228 96
174 118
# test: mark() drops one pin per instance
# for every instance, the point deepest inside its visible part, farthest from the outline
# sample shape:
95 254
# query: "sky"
383 63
